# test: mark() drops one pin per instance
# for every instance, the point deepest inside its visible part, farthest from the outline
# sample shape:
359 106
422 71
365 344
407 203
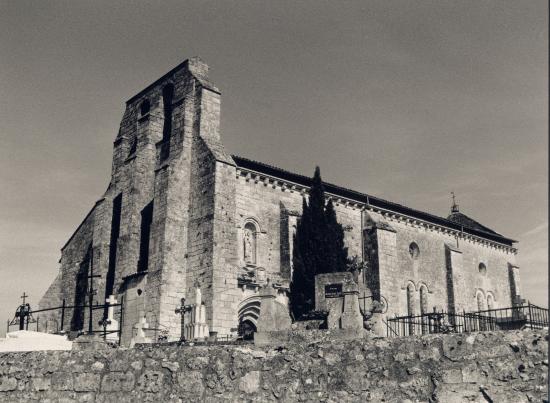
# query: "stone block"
62 381
86 382
151 381
458 393
472 374
453 375
117 382
429 354
250 383
40 383
190 382
7 383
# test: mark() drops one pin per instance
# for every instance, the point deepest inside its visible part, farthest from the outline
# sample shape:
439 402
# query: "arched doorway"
248 313
247 329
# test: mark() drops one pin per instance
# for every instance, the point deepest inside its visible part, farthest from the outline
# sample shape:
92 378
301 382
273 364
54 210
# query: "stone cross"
182 310
111 325
111 309
139 336
141 326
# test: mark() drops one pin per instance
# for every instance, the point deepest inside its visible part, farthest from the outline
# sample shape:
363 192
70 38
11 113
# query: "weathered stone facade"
478 367
181 213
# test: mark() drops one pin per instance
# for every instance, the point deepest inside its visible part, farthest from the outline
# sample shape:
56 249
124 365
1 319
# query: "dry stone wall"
482 367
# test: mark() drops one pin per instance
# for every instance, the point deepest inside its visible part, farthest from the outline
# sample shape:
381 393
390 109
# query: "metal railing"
33 317
511 318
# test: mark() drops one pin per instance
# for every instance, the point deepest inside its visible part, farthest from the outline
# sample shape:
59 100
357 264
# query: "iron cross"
182 310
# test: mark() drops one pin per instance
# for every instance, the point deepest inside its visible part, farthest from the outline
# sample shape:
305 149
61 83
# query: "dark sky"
405 100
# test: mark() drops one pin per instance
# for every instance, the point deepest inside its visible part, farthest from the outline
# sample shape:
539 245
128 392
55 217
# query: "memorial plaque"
333 290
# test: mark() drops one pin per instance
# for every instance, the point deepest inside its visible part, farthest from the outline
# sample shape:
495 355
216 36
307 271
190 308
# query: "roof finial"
454 207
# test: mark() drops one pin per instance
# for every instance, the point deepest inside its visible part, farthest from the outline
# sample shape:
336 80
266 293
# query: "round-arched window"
490 301
423 299
482 268
480 301
414 251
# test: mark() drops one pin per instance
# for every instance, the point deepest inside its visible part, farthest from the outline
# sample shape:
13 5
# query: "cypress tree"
318 247
335 246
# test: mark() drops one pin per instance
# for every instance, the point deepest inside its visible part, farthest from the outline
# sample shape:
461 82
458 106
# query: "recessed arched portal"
247 330
248 314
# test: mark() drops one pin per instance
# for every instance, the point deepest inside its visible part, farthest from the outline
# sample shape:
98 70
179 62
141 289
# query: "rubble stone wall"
481 367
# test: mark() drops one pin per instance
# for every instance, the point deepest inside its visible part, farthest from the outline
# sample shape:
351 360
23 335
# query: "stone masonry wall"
170 164
264 201
482 367
73 256
430 268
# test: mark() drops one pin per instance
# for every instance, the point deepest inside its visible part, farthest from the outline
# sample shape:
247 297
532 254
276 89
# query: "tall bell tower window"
144 107
167 98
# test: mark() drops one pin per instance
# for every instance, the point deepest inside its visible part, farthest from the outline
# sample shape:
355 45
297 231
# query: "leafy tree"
318 247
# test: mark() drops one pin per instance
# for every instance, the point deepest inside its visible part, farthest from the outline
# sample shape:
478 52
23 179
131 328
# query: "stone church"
181 215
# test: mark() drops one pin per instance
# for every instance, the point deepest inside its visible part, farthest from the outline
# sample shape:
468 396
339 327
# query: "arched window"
250 243
167 98
482 268
490 301
414 250
480 301
144 107
423 299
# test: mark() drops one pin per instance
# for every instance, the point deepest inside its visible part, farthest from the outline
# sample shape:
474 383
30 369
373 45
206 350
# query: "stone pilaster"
456 292
515 285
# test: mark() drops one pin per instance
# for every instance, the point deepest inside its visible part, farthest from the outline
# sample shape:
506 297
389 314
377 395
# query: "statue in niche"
249 244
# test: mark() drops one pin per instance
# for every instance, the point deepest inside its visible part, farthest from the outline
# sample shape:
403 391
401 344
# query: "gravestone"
273 314
274 318
195 326
338 294
112 324
139 333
